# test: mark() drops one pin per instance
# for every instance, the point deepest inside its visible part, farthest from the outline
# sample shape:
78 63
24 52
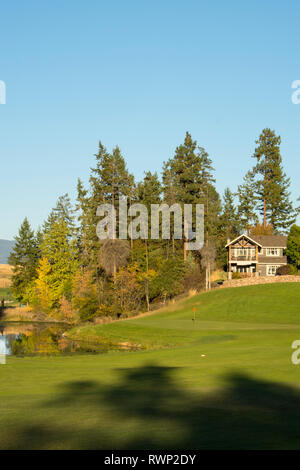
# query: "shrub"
294 270
169 279
66 311
194 279
87 306
286 270
236 275
128 292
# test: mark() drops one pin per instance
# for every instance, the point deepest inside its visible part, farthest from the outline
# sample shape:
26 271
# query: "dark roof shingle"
271 241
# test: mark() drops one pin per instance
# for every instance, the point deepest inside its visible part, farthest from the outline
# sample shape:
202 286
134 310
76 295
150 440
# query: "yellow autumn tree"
44 292
128 289
57 267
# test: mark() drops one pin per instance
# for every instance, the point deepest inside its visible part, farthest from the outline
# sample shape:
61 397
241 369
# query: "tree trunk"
114 272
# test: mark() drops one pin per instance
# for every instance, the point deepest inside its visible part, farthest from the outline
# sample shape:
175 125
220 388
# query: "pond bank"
26 314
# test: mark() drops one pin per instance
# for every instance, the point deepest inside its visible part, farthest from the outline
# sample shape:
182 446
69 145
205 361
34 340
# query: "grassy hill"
224 381
253 307
5 276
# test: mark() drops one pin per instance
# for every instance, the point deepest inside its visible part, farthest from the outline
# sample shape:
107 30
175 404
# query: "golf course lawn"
224 381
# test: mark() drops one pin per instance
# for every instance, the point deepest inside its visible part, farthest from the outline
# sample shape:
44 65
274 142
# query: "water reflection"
5 344
20 339
39 339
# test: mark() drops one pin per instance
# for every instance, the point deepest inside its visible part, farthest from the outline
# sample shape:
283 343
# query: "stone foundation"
250 281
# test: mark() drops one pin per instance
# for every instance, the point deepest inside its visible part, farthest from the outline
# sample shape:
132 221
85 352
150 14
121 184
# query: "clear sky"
139 74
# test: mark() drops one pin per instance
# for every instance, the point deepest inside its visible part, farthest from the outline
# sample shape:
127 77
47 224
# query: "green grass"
225 381
254 307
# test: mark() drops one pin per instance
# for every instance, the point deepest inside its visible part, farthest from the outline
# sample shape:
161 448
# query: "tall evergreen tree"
169 194
111 177
230 221
62 211
110 181
247 202
186 166
191 174
272 184
24 259
86 232
149 192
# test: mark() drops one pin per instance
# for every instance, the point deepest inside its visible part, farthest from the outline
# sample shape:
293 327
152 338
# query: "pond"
29 339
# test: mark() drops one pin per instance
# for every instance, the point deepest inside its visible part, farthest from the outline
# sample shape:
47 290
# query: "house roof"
271 240
245 236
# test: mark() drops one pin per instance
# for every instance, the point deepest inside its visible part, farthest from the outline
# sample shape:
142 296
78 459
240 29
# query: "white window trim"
275 266
277 254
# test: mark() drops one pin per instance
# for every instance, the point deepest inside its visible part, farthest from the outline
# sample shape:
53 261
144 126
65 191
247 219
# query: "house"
260 255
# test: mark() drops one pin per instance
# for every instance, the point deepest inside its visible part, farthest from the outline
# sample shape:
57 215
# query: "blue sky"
139 74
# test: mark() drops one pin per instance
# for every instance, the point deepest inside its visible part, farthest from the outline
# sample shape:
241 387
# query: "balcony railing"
243 258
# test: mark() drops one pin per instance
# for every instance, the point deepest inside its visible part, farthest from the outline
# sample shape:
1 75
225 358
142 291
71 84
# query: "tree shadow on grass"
148 409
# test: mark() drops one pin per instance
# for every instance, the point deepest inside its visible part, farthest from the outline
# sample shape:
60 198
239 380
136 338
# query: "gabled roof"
245 236
272 241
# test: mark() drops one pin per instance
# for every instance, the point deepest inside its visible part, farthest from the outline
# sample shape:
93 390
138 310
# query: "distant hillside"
5 249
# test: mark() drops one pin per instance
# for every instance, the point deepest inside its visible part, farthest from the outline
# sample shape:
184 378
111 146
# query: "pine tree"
293 246
62 211
112 176
209 197
87 203
24 258
149 192
169 185
191 173
213 208
110 179
247 202
272 184
169 195
186 166
230 221
88 243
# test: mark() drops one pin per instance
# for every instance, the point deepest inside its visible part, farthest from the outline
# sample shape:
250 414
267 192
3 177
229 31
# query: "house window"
248 252
271 270
273 251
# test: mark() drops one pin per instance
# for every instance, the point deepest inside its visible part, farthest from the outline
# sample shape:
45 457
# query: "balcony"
248 258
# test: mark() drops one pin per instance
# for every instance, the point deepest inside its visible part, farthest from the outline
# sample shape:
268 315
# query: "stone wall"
250 281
